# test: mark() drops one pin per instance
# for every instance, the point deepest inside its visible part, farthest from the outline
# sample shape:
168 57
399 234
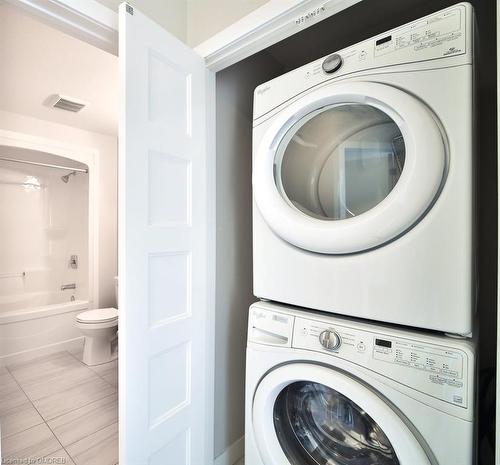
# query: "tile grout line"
99 442
84 382
90 434
93 371
45 421
28 401
39 413
78 408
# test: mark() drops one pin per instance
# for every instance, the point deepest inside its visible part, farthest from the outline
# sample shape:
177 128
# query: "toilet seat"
101 315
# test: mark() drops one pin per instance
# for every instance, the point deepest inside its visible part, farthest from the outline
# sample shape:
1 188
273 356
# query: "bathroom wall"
107 148
44 222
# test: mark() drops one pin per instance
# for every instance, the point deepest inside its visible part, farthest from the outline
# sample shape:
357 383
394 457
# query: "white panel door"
164 361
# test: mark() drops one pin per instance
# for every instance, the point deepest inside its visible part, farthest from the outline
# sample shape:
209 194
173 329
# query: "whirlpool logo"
263 89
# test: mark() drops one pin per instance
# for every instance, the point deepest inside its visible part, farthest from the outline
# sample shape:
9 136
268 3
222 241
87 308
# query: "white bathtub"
28 330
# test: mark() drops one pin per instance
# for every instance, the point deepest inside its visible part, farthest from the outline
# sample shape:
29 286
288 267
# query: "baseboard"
232 454
71 345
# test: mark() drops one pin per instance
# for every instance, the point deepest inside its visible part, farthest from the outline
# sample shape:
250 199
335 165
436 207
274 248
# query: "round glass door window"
316 425
340 163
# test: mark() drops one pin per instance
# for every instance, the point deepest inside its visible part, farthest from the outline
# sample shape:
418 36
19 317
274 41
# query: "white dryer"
322 390
363 178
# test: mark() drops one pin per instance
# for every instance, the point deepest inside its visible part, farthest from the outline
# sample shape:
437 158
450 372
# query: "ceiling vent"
67 103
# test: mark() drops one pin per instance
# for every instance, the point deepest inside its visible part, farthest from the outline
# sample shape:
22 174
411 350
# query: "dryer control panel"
428 364
442 39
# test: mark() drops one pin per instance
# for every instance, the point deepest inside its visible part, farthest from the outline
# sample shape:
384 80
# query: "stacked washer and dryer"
360 351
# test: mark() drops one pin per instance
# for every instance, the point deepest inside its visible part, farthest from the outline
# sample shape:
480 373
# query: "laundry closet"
234 114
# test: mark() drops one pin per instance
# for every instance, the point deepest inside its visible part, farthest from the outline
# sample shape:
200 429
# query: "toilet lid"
101 315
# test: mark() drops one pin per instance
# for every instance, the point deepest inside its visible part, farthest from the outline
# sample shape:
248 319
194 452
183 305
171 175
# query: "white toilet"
100 330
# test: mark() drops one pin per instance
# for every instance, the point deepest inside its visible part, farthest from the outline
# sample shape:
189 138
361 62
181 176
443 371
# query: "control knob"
332 63
330 339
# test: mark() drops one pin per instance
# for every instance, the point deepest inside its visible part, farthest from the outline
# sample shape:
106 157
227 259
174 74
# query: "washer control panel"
330 339
436 370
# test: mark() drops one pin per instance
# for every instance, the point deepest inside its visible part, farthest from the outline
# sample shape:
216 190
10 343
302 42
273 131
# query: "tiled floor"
57 407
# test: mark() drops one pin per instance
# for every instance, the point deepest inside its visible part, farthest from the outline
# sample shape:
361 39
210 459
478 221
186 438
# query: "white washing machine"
323 390
363 179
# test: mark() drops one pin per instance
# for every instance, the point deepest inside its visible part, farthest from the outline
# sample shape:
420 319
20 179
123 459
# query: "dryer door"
306 414
349 167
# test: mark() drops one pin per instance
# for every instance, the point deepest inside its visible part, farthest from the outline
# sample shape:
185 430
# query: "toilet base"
100 347
96 353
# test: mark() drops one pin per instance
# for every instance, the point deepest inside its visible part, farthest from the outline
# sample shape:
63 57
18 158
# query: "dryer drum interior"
341 162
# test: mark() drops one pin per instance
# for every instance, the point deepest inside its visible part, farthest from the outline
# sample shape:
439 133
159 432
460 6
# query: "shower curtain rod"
59 167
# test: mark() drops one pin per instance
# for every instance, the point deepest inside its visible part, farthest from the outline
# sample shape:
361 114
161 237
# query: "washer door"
312 415
349 167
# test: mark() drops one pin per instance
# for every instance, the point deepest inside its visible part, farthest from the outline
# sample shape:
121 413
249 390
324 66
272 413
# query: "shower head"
65 178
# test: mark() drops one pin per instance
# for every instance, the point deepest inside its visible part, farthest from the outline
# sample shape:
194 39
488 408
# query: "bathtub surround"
105 147
44 222
74 418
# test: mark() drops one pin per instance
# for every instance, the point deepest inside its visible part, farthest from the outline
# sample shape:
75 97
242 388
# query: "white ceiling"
37 62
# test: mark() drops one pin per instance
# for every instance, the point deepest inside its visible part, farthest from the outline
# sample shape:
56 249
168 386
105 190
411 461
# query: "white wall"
170 14
46 61
207 17
192 21
107 148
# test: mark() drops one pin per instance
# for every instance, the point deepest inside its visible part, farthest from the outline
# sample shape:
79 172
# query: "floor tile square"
80 423
32 443
58 383
106 368
112 379
11 395
19 418
43 368
100 448
59 457
73 398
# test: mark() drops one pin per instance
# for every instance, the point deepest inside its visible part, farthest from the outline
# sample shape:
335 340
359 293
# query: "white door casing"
421 179
405 444
164 312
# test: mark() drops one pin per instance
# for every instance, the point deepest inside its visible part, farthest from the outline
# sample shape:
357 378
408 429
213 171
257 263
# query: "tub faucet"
68 286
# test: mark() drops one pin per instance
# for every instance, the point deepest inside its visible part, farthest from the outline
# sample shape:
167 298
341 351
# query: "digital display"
383 40
383 343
